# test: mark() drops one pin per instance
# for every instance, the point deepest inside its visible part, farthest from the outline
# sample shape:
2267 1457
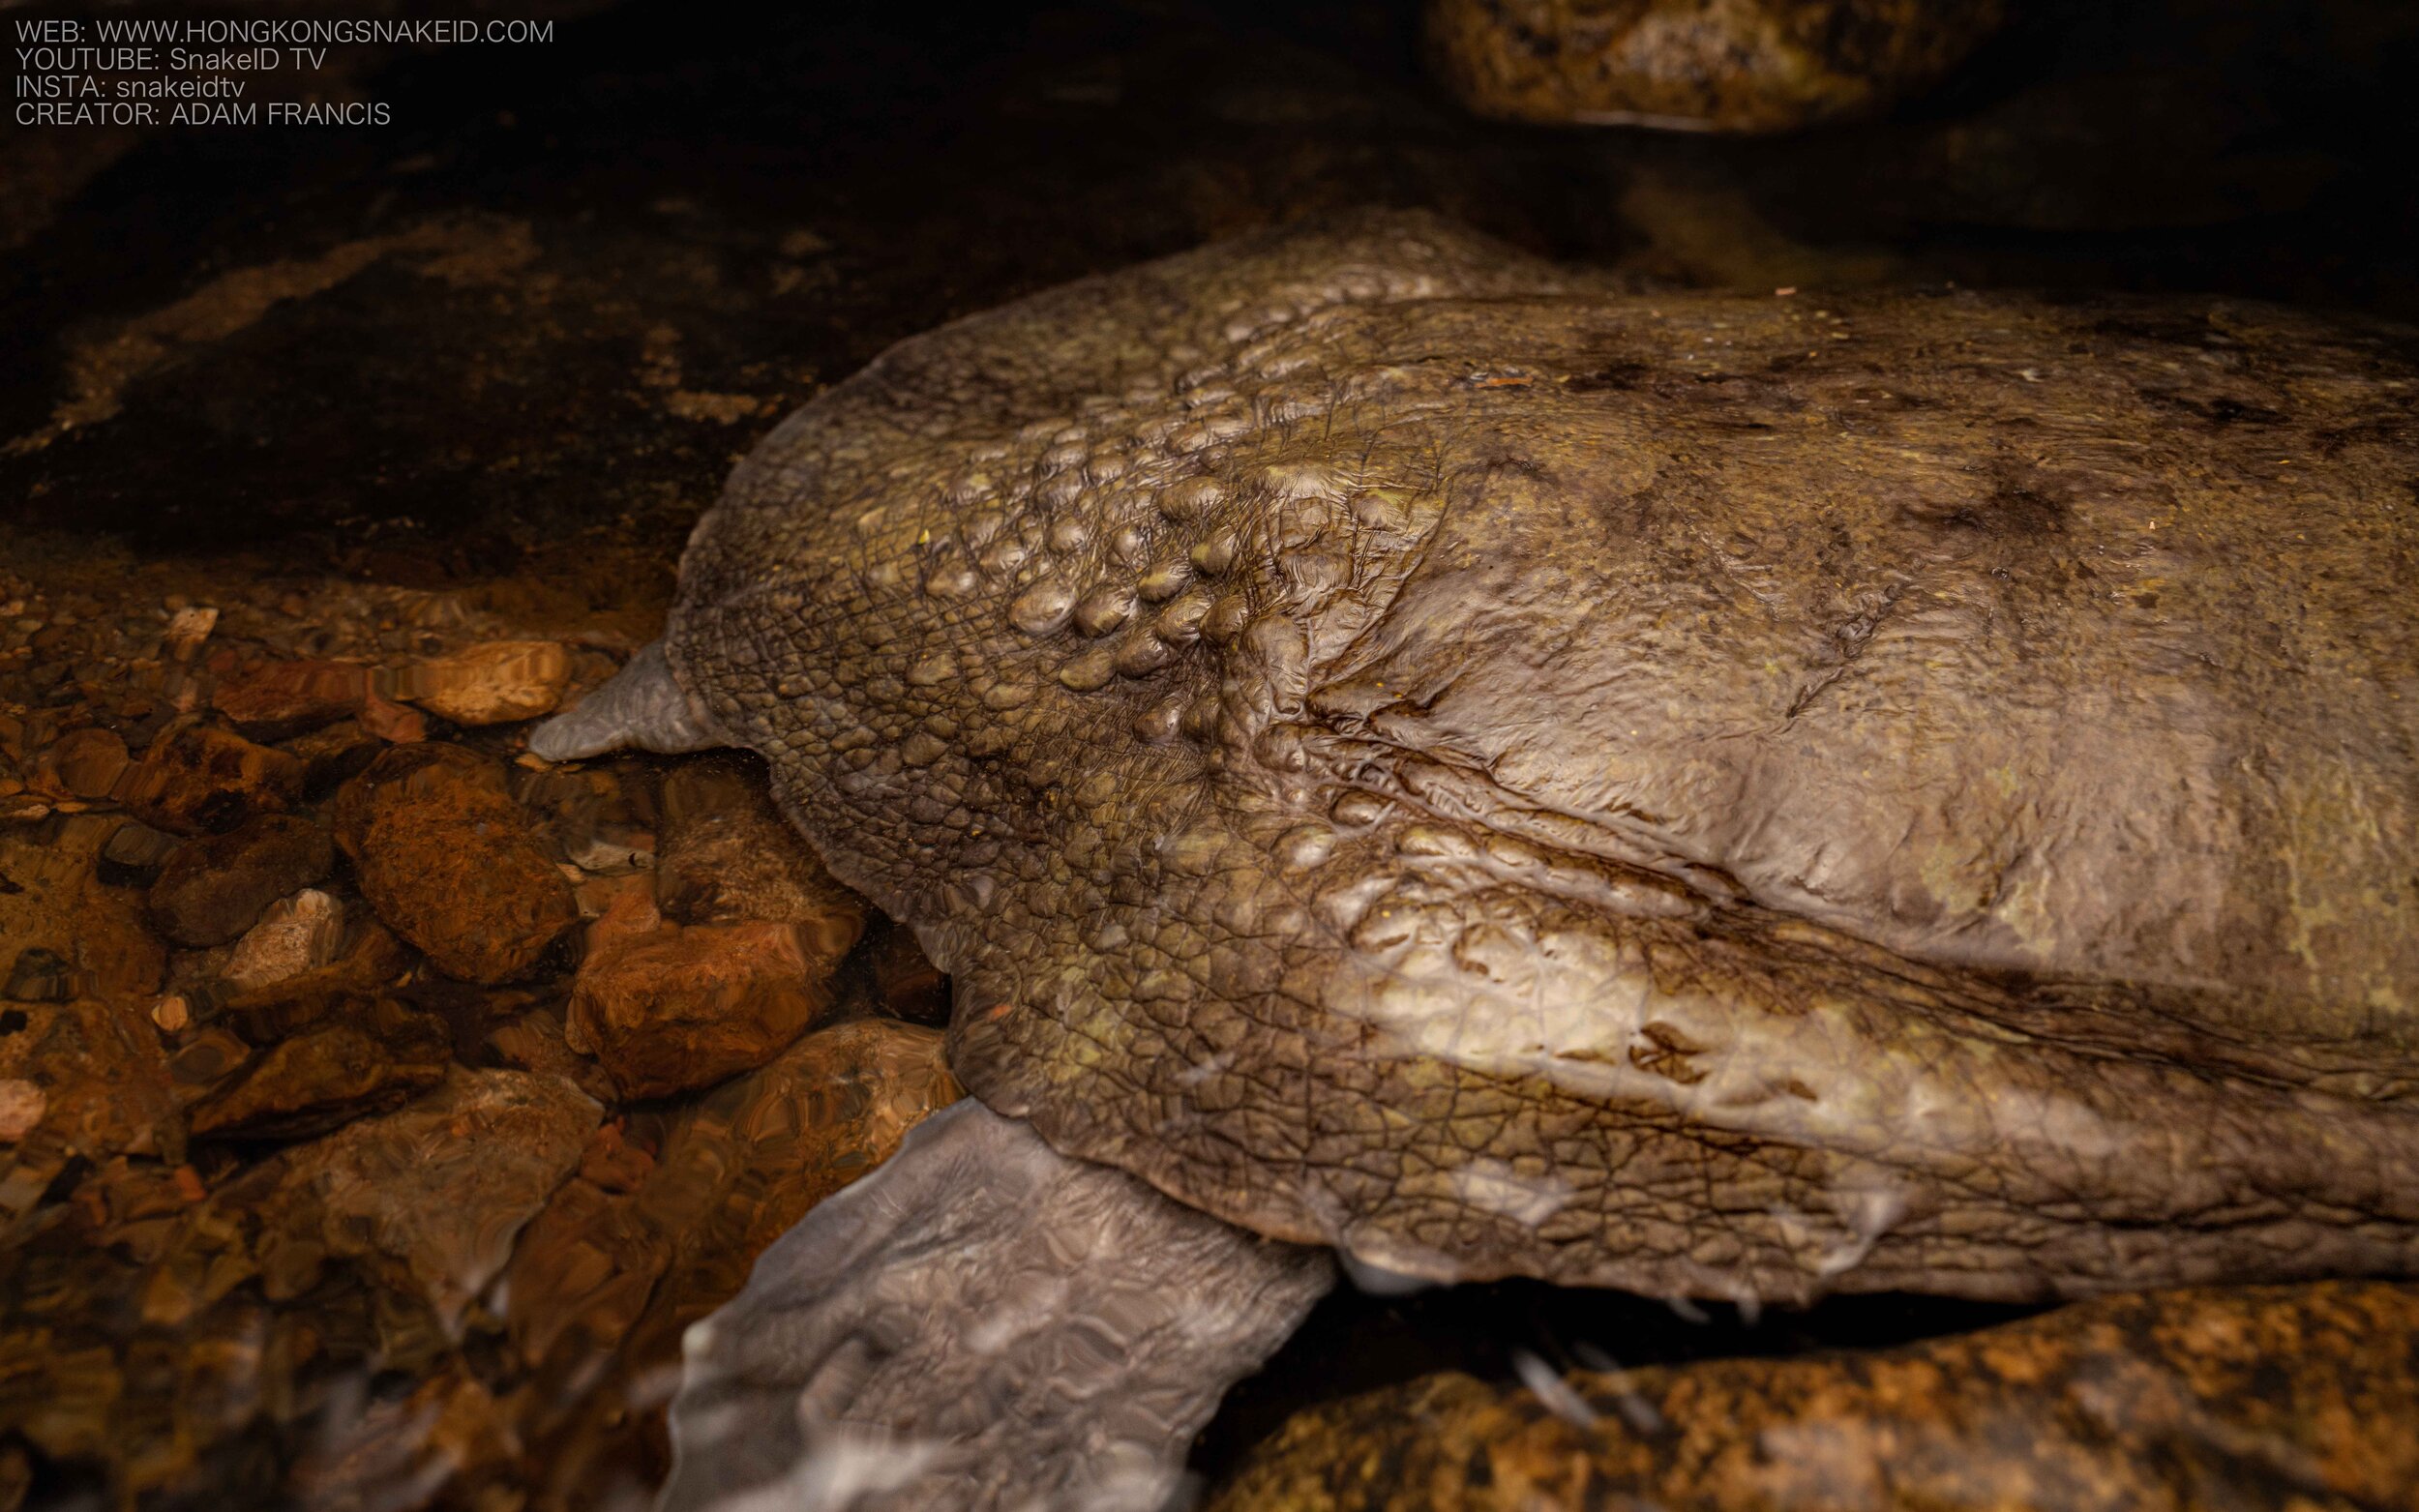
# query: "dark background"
513 342
492 305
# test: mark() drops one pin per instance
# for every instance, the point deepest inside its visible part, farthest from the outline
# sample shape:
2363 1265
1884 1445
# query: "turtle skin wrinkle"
1406 746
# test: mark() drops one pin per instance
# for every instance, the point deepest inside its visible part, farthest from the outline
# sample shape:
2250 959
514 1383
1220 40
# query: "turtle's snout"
642 708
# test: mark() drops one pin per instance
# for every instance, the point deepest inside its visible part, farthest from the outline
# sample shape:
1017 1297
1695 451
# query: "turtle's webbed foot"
982 1324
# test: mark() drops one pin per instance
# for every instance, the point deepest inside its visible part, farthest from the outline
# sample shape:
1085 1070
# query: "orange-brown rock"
2158 1402
213 888
23 1104
322 1077
492 684
429 1198
206 1059
53 901
447 1429
80 1079
613 1164
83 764
814 1122
1699 65
334 753
38 976
276 699
584 1270
369 962
726 854
392 722
535 1042
667 1007
197 779
605 1272
133 1204
595 819
450 862
133 854
83 1078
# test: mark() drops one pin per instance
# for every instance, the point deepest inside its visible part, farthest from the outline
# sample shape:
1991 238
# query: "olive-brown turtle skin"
1735 65
1404 746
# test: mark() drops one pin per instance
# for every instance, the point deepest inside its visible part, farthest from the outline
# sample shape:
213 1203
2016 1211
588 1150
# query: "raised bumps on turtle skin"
1132 607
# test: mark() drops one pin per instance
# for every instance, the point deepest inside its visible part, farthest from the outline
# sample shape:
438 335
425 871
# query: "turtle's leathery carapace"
1404 746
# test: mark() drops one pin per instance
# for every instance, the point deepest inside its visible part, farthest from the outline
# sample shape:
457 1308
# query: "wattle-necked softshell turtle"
1408 747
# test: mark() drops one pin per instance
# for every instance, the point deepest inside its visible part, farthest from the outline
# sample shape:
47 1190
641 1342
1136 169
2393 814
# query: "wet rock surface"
319 1079
85 764
729 954
296 1209
197 779
667 1007
665 1218
212 889
581 287
451 863
433 1195
273 698
2186 1400
81 1083
497 683
294 1215
727 855
298 934
60 924
1682 65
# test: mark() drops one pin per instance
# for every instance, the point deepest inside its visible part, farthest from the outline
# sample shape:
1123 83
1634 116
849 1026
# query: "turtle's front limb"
981 1324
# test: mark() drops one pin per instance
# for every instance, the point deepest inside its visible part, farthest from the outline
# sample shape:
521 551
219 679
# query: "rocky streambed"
378 1109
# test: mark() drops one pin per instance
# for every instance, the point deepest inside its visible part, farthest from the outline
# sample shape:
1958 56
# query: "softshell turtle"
1411 749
